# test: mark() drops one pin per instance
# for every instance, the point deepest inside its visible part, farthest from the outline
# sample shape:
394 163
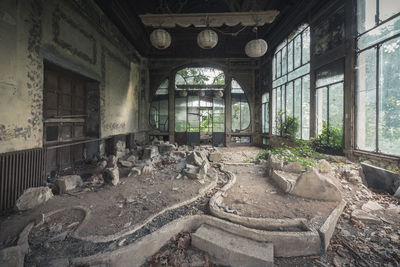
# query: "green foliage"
329 141
288 125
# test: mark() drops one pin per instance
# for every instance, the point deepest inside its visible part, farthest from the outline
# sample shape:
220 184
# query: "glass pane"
336 106
380 33
289 99
366 100
236 88
163 115
330 74
297 104
180 114
306 45
366 10
290 56
322 111
273 108
306 108
154 114
274 68
284 61
297 51
218 115
278 64
200 76
388 8
299 72
280 81
244 114
265 98
235 113
278 103
389 97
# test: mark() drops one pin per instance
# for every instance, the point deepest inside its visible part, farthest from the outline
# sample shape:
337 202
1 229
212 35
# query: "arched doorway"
200 106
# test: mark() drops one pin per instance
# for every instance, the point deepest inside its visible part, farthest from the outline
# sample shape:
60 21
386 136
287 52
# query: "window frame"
377 46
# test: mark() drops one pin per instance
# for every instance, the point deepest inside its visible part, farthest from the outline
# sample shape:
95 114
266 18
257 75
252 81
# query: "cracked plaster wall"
77 36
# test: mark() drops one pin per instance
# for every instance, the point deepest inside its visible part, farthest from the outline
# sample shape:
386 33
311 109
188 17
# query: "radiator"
19 171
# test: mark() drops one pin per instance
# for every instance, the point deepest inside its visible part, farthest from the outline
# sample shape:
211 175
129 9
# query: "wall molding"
58 17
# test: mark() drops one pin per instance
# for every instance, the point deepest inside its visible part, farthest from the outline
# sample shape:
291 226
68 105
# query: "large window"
330 98
378 76
159 108
240 108
265 114
291 81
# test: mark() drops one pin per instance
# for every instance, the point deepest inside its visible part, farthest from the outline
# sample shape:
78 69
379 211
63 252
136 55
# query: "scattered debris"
67 183
33 197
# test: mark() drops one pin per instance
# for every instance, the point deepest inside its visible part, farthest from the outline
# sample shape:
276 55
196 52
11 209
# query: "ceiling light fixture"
160 39
257 47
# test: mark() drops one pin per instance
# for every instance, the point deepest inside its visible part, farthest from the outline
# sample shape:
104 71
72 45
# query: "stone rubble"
67 183
33 197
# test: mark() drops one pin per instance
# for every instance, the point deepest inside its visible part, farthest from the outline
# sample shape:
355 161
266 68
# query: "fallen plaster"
327 229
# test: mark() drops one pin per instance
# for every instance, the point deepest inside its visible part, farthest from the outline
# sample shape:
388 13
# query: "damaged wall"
74 35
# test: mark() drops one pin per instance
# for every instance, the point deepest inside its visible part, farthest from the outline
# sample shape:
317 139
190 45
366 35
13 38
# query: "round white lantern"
202 93
219 94
207 39
160 39
183 93
256 48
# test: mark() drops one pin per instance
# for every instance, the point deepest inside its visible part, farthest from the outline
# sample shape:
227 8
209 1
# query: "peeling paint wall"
76 36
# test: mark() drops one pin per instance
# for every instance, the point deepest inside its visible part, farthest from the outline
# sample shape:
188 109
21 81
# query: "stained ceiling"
124 13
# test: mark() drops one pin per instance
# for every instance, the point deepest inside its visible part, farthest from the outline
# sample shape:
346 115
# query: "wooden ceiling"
124 13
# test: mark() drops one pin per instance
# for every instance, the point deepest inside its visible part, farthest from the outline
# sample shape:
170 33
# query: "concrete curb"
257 223
286 244
98 238
328 228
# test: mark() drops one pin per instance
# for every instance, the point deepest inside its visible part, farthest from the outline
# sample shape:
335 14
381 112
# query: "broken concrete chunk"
69 182
371 206
365 217
112 161
150 152
33 197
131 158
324 166
147 170
293 167
397 193
125 163
275 163
58 238
102 164
111 176
166 148
135 171
194 159
192 173
215 156
205 166
314 185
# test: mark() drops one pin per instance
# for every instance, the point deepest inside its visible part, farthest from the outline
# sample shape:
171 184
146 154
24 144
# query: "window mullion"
377 98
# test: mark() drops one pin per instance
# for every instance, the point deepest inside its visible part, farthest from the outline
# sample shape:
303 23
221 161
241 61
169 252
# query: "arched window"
159 108
240 108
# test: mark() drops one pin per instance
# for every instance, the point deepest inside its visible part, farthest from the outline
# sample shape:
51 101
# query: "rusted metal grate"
19 171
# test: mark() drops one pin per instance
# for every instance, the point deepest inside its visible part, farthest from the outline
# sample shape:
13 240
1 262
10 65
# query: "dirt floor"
239 154
255 195
114 208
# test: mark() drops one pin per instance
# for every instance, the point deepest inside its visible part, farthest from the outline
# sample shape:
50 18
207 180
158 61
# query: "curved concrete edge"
327 229
99 238
284 184
257 223
286 244
239 163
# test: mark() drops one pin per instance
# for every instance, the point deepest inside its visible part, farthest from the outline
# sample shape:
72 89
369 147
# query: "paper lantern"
256 48
183 93
160 39
207 39
219 94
